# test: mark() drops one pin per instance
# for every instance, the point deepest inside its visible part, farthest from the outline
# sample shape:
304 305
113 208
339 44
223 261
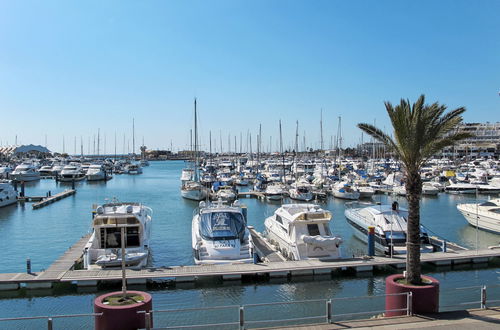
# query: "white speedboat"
193 190
25 172
461 188
71 172
220 234
301 193
96 172
485 215
8 195
364 189
344 190
389 222
104 246
429 189
133 169
275 191
301 232
225 193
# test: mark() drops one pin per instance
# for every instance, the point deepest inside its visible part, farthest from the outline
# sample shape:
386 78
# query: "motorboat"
344 190
5 171
364 189
45 170
302 231
484 215
25 172
96 172
224 192
275 191
71 172
103 249
220 234
193 190
301 193
390 223
133 169
461 188
8 194
429 189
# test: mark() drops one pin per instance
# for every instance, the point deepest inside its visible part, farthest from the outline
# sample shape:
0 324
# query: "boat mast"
195 144
133 138
282 154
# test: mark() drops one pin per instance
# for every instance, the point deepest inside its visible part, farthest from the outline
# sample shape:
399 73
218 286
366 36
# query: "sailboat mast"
195 143
321 130
133 137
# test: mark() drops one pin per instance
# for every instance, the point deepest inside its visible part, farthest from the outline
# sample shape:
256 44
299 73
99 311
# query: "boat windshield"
222 226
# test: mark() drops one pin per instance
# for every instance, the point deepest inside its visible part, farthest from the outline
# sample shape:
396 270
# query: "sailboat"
193 189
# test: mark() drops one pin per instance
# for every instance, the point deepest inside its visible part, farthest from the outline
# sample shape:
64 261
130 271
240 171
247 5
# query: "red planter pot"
425 298
122 317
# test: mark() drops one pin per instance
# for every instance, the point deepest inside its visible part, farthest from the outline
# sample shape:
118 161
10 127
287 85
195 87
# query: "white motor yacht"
220 234
390 223
364 189
133 169
301 232
275 191
103 249
5 171
96 172
460 188
193 190
301 193
485 215
344 190
45 170
8 195
224 193
429 189
25 172
71 172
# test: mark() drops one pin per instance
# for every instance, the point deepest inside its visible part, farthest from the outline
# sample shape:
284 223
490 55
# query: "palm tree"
420 131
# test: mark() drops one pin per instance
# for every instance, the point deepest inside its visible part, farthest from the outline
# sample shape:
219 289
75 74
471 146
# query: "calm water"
45 234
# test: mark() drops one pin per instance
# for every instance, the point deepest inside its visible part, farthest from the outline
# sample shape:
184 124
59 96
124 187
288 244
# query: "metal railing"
49 319
241 312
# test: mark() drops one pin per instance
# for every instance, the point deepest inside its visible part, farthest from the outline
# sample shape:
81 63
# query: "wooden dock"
256 194
274 266
51 199
263 249
44 279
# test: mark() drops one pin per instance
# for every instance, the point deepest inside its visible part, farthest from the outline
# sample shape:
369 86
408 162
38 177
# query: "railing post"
483 297
242 318
147 319
49 323
409 304
329 311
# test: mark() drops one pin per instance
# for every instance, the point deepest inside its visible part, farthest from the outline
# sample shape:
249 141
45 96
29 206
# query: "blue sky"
69 68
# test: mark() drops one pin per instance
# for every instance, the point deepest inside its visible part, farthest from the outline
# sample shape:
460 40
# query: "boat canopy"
222 225
116 220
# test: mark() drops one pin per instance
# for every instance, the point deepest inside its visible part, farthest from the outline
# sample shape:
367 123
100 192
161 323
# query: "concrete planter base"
122 317
425 297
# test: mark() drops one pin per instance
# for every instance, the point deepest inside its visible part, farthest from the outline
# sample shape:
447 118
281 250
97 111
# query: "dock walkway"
54 198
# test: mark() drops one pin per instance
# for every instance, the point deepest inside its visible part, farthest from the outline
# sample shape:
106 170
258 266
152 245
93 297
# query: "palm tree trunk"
413 191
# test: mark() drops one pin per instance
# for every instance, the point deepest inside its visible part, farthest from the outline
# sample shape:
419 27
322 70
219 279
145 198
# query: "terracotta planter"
122 317
425 297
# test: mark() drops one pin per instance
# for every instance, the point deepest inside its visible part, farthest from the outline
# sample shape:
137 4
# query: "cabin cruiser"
275 191
96 172
389 222
45 170
224 192
8 195
364 189
25 172
429 189
460 188
485 215
71 172
193 190
103 249
301 193
5 171
344 190
133 169
220 234
301 232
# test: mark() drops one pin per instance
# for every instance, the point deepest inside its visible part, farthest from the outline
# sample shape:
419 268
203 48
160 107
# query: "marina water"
43 235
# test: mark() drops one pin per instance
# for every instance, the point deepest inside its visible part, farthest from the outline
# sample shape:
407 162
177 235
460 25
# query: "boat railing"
49 320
